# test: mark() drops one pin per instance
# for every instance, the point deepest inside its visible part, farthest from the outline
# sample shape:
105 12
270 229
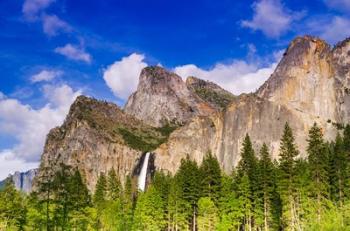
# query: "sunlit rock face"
310 84
162 97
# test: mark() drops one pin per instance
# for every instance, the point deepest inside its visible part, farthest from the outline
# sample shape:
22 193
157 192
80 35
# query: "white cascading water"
143 173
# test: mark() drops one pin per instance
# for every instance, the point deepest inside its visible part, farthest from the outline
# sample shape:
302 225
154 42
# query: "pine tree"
229 211
211 177
127 205
113 186
149 212
266 187
100 190
346 140
61 195
247 167
189 178
161 182
245 201
12 208
318 160
207 214
338 171
287 179
178 209
248 162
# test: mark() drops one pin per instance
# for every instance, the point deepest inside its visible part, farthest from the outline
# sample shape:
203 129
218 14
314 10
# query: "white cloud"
333 29
237 77
29 126
74 53
9 164
337 29
271 17
32 8
341 5
52 25
46 75
122 76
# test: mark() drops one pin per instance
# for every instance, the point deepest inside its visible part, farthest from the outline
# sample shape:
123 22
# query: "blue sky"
53 50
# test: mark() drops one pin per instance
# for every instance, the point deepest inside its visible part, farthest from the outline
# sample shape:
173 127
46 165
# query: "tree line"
260 194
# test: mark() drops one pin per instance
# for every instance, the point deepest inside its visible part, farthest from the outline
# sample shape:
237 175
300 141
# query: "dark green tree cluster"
290 193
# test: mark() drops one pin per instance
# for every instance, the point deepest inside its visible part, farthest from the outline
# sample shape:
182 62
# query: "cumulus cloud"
52 25
341 5
237 77
333 29
74 53
29 126
9 164
122 76
46 76
271 17
32 8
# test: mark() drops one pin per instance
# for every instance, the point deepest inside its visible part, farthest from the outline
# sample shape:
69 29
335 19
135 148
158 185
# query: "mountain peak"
162 97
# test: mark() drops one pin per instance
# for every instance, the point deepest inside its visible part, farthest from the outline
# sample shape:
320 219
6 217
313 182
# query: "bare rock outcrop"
96 137
310 84
162 98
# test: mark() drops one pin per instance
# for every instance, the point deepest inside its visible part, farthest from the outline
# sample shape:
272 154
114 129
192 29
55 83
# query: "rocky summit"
310 84
163 98
173 118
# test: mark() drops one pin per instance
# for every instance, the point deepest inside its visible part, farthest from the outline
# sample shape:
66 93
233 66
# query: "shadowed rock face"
310 84
96 137
162 97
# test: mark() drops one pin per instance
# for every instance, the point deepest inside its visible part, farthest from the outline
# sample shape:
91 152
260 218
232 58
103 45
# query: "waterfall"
143 173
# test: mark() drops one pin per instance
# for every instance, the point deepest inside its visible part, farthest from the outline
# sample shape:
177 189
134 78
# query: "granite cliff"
163 98
22 181
96 137
174 118
310 84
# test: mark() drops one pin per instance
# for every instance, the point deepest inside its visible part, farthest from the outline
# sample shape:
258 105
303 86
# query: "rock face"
210 92
23 181
163 98
95 137
310 84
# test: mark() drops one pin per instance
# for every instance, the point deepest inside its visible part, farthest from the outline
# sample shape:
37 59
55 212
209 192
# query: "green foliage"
149 212
12 208
113 186
221 99
287 180
288 194
146 139
178 209
265 194
100 191
318 166
207 214
211 177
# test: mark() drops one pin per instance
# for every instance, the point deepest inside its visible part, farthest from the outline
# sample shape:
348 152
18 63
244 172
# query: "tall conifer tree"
287 180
